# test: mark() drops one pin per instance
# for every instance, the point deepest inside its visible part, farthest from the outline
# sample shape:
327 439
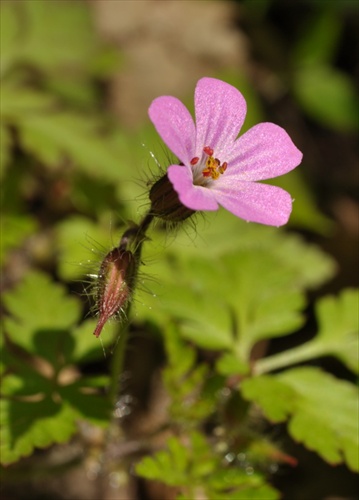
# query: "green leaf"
189 301
14 231
231 292
327 95
38 308
234 484
338 328
85 349
9 34
179 463
185 380
26 425
229 364
45 395
305 212
17 102
322 411
96 198
181 356
196 467
319 41
276 399
82 246
54 38
54 137
5 149
337 335
48 415
225 234
165 466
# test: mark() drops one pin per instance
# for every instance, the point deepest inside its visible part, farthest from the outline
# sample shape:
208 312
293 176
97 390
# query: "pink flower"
217 168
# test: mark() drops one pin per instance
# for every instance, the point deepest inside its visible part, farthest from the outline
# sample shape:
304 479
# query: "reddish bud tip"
116 277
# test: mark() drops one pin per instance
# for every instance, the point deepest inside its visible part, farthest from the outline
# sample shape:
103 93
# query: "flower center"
206 168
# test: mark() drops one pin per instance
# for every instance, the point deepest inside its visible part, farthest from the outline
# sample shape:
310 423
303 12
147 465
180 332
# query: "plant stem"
135 238
293 356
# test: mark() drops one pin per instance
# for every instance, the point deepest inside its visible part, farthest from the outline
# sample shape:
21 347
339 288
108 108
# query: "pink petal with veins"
256 202
174 124
193 197
220 111
263 152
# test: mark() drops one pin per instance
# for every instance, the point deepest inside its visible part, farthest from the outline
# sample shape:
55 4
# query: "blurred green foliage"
69 175
325 93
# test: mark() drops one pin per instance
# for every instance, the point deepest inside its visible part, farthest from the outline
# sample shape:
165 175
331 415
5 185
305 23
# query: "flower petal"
256 202
264 152
193 197
220 112
175 125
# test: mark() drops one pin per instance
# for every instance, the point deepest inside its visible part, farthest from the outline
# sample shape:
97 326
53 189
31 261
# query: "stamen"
222 168
194 161
208 150
213 167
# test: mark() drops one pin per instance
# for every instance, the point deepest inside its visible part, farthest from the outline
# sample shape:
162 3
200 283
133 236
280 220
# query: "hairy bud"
116 279
165 203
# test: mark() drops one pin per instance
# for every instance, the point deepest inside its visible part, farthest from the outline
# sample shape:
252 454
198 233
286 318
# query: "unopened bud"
116 279
165 203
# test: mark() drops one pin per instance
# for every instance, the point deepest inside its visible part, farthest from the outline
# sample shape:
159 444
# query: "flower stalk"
123 262
215 167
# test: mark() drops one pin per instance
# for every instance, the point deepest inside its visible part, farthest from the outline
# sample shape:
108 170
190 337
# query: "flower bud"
165 203
116 278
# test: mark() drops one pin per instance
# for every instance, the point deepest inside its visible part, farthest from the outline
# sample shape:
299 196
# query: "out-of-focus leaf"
14 230
240 284
196 468
235 484
5 149
55 137
311 265
9 35
305 213
83 245
184 380
337 336
95 197
18 102
43 393
58 35
26 425
322 411
224 234
318 42
328 96
338 333
38 305
180 462
47 415
276 399
229 364
85 349
245 297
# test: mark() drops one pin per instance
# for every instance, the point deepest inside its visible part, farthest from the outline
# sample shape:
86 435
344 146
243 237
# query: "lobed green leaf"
322 411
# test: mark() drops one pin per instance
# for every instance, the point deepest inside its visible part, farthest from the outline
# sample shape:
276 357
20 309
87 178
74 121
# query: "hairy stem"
133 237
